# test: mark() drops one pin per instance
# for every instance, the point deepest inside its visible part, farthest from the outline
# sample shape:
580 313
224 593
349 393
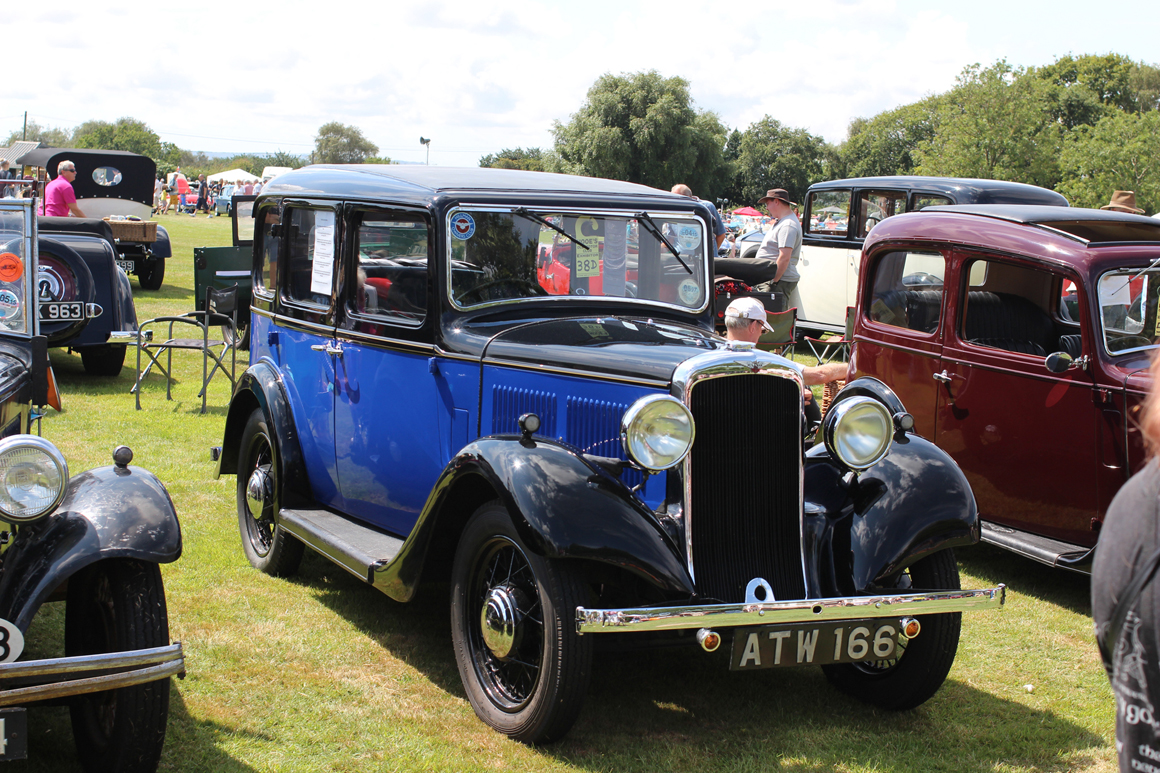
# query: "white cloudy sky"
480 76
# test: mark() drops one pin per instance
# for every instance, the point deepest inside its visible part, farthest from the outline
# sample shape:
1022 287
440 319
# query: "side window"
829 213
1017 309
923 200
267 278
309 259
876 206
391 268
908 290
1128 303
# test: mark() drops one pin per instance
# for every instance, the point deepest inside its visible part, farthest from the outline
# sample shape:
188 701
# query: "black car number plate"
13 734
52 311
127 265
849 641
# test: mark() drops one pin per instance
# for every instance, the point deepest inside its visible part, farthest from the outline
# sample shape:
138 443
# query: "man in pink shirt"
59 197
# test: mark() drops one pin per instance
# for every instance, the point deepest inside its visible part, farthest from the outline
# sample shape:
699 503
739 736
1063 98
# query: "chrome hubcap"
258 491
500 620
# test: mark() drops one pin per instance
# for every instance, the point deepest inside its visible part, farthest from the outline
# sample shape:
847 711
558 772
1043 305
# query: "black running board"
356 547
1045 550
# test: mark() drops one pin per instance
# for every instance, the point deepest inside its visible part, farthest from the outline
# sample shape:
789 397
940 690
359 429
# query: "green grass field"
323 673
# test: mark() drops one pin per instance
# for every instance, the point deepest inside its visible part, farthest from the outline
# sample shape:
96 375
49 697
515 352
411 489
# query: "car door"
898 328
309 233
1025 437
828 263
388 447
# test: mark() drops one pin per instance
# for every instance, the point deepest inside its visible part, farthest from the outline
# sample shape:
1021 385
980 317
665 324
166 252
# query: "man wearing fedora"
783 243
1123 201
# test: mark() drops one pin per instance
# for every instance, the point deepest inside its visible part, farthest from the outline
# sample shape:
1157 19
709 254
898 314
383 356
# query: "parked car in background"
223 202
1019 338
580 455
836 216
116 184
93 541
224 267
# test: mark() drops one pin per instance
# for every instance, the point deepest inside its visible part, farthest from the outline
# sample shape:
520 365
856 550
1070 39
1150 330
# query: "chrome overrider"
786 612
132 667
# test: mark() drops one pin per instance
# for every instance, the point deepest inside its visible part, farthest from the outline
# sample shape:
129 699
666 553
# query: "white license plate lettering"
789 645
66 310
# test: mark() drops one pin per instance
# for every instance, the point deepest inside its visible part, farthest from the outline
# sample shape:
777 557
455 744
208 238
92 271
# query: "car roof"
964 190
421 181
1071 236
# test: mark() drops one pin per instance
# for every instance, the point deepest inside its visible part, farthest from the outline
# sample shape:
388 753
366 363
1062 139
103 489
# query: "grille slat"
593 426
509 403
745 470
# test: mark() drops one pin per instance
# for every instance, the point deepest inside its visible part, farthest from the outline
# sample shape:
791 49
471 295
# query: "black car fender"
562 505
109 512
161 248
862 531
261 387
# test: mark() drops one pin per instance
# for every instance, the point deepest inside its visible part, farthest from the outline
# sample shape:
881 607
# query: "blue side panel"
457 383
509 403
309 379
594 428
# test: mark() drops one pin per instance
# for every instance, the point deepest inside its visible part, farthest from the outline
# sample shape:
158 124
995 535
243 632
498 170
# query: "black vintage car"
93 541
115 184
510 380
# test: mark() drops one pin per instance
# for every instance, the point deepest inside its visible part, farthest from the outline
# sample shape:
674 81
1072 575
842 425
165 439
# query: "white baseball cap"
748 308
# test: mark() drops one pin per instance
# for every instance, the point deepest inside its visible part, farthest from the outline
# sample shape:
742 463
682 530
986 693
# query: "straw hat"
1123 201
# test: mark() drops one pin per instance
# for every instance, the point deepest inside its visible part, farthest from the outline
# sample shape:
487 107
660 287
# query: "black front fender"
562 506
108 512
862 531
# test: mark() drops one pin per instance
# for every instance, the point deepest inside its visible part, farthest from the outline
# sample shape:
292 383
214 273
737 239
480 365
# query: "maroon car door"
1025 437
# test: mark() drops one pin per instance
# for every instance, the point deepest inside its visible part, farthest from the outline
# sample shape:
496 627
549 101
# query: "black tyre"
113 606
267 546
921 665
524 667
150 273
103 359
241 334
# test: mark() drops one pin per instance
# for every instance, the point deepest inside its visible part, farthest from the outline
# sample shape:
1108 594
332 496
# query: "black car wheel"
267 546
150 273
103 359
241 334
524 667
114 606
920 665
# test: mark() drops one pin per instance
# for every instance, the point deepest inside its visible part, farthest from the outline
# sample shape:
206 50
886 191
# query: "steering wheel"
920 279
1131 342
519 286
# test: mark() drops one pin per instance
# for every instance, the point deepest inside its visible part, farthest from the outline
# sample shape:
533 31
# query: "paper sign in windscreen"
323 268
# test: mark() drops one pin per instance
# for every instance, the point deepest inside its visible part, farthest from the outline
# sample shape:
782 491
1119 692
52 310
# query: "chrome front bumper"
53 675
774 612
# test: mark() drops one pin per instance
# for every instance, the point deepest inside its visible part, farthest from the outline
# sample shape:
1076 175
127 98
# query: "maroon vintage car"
1020 338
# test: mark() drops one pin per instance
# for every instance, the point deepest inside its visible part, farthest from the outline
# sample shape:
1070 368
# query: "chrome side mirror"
1062 362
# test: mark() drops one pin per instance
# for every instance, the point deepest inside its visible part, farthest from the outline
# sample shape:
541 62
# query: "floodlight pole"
426 141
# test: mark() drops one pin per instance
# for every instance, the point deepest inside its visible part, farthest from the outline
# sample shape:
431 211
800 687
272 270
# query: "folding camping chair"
221 312
781 340
830 349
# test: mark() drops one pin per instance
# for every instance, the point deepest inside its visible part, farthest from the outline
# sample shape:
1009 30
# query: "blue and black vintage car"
93 541
510 380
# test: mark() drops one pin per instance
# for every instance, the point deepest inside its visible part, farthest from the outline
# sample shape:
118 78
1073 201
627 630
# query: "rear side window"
267 276
876 206
829 213
908 290
391 269
922 201
310 249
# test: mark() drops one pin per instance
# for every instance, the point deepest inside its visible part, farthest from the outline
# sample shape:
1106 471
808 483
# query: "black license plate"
127 265
51 311
849 641
13 734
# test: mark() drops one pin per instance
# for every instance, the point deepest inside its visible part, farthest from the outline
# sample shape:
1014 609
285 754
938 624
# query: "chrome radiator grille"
745 485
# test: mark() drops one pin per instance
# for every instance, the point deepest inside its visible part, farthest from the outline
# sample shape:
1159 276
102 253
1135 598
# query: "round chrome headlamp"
657 432
858 431
33 478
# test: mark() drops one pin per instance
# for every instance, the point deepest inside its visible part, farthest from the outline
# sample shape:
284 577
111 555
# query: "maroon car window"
1017 309
1128 309
876 206
829 213
908 290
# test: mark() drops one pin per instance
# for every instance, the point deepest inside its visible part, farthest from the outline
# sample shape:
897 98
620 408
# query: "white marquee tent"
232 176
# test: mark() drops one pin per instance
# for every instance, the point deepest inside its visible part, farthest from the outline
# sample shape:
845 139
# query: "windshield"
517 253
1128 301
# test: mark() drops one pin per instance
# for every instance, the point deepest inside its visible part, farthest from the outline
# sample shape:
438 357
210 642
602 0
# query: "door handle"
328 348
944 377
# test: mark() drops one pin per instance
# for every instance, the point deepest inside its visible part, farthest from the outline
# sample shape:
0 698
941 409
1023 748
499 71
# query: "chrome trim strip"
658 384
384 343
781 612
441 352
290 323
159 662
730 362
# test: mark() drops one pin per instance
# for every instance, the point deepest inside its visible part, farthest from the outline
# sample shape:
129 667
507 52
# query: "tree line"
1082 125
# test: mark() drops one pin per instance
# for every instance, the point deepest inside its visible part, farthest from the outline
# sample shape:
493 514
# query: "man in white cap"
746 320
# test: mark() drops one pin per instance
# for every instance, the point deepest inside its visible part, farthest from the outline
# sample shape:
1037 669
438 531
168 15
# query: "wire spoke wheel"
267 546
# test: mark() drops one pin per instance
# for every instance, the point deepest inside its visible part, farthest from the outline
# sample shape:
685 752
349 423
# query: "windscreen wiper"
643 217
523 212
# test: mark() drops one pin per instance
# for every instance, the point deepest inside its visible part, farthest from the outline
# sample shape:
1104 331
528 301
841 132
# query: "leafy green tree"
126 134
385 160
994 124
47 136
338 143
643 128
887 143
1121 152
531 159
1145 82
282 158
776 156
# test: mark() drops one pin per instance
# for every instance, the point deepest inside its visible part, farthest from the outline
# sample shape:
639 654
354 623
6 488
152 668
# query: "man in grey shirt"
783 243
